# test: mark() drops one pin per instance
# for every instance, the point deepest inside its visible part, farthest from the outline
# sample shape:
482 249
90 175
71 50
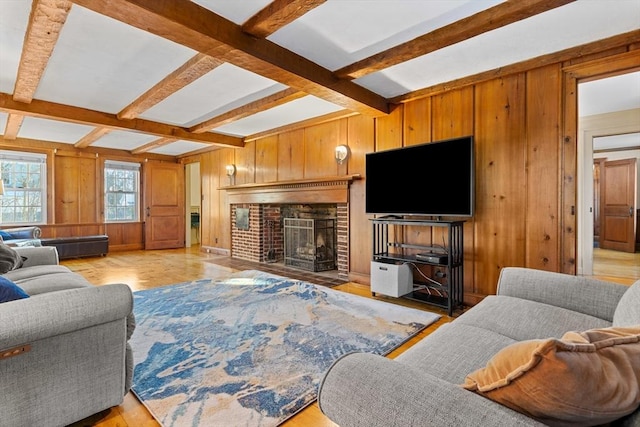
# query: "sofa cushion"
9 291
453 350
522 319
9 259
628 311
587 378
25 273
53 283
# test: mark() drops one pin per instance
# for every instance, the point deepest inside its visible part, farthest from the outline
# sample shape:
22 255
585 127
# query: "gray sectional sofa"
423 386
64 352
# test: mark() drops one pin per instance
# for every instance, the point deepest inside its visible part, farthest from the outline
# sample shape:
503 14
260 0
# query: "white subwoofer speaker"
393 280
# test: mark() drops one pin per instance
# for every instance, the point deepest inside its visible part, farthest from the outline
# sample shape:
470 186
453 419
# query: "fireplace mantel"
333 189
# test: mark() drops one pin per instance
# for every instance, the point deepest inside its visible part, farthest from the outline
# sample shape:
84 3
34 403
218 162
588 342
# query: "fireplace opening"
310 243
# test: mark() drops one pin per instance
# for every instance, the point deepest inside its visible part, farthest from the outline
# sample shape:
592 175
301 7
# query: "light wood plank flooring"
616 266
148 269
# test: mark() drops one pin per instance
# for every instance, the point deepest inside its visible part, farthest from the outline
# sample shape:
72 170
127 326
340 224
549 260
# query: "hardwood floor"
616 266
148 269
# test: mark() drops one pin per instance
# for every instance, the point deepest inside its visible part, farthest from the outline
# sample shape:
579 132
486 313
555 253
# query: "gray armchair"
64 352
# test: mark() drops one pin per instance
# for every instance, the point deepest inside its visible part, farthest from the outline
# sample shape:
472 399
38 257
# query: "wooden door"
164 210
618 185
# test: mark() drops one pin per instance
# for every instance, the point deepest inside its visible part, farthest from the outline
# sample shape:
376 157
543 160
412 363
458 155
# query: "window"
121 191
24 177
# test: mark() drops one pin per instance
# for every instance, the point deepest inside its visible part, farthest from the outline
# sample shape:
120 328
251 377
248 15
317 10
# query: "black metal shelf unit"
441 283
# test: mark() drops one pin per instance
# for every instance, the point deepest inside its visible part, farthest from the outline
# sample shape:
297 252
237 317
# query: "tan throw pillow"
585 379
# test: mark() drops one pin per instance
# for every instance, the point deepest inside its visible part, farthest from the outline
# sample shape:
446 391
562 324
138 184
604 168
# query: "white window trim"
132 166
35 158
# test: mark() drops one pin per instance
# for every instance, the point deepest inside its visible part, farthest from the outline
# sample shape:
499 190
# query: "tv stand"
438 267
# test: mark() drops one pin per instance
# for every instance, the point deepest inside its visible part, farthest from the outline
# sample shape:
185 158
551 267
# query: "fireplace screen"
310 243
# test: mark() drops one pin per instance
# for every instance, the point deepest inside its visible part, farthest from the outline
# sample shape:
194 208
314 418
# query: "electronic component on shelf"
432 257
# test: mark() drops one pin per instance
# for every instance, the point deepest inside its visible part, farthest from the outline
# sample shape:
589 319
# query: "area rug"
251 349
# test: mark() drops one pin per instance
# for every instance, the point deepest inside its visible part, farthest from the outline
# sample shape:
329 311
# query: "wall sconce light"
231 170
342 152
1 187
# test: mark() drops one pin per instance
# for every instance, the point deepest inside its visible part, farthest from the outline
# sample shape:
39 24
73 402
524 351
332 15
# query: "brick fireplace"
258 212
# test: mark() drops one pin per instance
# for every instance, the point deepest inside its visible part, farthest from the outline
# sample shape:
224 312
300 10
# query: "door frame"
615 126
574 213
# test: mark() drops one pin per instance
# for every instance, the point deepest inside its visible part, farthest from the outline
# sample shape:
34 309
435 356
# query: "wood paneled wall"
75 192
525 172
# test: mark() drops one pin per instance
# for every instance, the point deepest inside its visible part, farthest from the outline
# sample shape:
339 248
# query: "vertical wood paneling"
223 231
76 189
500 187
417 121
291 155
245 161
360 139
568 161
66 190
452 117
267 159
543 188
453 114
210 196
389 130
320 143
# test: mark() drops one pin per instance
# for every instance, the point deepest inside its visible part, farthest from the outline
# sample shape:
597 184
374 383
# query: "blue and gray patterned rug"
250 350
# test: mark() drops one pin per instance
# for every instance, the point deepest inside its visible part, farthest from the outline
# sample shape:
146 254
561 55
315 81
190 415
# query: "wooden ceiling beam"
45 23
276 15
70 114
153 144
91 137
262 104
189 72
193 26
495 17
14 122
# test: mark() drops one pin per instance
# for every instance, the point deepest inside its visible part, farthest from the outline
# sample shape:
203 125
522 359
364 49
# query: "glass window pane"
121 193
25 189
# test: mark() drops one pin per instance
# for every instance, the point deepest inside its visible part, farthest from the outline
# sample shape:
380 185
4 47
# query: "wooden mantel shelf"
333 189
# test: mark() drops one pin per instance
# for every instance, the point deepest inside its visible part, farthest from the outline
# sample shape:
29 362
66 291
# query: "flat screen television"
432 179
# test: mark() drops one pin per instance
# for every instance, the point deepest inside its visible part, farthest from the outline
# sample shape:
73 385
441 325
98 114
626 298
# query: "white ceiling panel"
103 64
340 32
52 130
14 16
122 140
3 122
291 112
234 10
220 90
574 24
179 147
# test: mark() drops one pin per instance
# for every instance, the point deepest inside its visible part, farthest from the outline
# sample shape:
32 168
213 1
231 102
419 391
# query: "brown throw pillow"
585 379
9 259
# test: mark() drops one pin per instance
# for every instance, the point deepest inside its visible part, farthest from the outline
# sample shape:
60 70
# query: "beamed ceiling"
178 77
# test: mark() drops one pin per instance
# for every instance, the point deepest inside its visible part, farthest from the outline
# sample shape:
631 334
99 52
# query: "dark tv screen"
432 179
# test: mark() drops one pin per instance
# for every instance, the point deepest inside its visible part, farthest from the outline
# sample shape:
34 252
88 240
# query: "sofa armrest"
582 294
43 255
30 232
57 313
368 390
